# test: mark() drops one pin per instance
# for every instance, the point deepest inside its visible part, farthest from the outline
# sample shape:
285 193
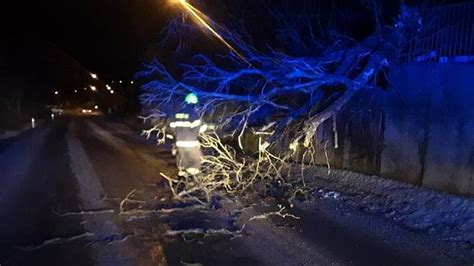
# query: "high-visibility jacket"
186 125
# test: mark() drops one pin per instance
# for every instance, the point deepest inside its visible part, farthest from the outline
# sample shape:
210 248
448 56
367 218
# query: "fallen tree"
280 98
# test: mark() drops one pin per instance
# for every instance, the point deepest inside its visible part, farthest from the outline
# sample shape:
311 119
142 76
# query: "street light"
75 91
93 88
94 76
56 92
112 92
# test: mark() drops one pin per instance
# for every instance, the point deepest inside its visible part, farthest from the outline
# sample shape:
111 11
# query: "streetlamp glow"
93 88
94 76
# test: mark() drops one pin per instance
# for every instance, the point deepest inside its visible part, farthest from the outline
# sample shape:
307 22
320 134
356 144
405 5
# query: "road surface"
62 185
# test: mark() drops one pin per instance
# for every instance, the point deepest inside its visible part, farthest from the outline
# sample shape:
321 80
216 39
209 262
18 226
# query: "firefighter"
186 126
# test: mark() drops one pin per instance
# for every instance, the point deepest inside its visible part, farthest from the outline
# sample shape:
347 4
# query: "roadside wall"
420 131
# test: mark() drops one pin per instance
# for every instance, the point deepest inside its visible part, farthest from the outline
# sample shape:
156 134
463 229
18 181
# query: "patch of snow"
6 134
328 194
90 194
450 217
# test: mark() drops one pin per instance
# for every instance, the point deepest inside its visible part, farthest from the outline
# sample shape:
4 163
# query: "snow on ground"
6 133
449 217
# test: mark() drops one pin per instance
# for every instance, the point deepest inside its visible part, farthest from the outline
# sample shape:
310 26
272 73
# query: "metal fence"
447 35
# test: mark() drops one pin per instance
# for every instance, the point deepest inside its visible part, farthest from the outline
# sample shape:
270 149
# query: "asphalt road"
62 183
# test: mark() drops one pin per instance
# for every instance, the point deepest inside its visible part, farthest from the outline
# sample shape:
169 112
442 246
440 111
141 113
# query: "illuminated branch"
283 98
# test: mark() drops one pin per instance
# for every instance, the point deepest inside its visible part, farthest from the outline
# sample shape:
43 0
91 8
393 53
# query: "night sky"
105 36
112 37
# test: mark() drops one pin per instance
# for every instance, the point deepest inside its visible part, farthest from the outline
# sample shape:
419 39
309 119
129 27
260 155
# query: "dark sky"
105 36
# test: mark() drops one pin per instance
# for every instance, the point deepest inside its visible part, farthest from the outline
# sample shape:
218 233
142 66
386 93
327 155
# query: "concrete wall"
420 131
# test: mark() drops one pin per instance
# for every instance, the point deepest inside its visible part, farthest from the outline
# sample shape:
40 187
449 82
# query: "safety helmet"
191 98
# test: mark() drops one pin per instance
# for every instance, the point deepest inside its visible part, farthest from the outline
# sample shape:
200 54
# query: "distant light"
56 92
85 89
75 91
96 107
112 92
33 122
93 88
131 82
52 116
120 81
94 76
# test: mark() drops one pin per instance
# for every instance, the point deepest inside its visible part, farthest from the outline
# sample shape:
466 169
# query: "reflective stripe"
185 124
188 144
182 116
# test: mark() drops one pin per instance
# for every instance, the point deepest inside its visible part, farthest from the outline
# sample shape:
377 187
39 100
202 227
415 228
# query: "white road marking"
90 194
